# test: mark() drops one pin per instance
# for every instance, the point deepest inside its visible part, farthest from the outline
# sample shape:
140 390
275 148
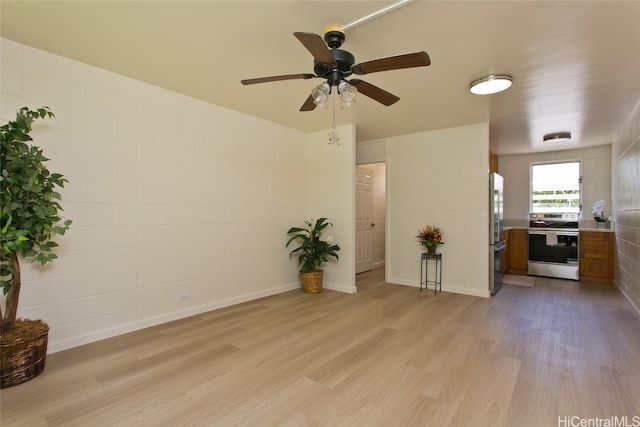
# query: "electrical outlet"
184 298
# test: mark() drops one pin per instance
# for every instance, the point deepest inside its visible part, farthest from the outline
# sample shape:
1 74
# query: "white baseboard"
56 346
453 289
623 292
340 288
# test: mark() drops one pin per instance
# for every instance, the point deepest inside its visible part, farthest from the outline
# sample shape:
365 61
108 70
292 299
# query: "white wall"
596 180
626 194
370 152
170 197
440 178
332 195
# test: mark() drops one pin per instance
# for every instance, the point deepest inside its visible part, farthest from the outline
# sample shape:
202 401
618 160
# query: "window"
555 187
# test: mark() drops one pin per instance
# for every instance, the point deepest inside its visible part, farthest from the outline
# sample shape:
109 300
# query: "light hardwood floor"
386 356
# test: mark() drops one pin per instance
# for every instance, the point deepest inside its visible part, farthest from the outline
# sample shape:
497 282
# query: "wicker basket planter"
23 352
312 281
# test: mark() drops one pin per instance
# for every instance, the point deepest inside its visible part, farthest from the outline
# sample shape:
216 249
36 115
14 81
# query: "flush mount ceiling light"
493 83
557 137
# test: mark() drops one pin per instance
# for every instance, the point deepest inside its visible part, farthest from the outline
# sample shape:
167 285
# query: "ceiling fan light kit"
347 93
557 137
320 94
491 84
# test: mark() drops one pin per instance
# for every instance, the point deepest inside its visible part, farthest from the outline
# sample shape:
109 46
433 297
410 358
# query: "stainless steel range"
553 245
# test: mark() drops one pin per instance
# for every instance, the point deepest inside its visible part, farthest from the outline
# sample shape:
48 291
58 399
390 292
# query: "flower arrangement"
430 236
312 251
598 211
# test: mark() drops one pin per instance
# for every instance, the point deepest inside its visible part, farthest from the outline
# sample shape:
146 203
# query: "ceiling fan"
335 65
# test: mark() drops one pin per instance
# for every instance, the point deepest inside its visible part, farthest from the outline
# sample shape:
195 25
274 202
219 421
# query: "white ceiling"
576 64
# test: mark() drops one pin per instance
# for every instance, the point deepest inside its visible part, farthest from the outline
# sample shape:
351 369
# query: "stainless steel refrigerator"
497 245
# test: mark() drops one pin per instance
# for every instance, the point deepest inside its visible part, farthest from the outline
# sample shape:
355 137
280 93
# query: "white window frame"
577 210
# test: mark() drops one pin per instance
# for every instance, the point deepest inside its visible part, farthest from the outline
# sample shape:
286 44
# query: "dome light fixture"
347 93
557 137
321 93
491 84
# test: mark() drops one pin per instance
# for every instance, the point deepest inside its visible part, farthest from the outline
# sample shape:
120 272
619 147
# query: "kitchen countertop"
603 230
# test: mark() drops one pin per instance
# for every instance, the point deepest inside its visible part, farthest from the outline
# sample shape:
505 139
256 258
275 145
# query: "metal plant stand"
424 266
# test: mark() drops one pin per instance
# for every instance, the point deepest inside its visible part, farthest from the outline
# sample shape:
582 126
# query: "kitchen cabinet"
516 253
493 162
596 256
506 262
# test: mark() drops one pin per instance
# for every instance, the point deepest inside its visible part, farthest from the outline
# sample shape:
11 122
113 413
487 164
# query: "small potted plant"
598 213
29 220
312 252
430 237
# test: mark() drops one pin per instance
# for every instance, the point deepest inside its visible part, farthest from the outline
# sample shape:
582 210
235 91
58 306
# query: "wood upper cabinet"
596 255
493 162
516 252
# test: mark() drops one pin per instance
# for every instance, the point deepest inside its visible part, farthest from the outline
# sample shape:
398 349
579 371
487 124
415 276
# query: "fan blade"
308 105
277 78
409 60
374 92
317 47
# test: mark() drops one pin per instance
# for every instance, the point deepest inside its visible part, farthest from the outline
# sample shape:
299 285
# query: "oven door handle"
558 232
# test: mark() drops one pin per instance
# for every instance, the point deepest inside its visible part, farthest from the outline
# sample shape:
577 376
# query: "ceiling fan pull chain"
334 137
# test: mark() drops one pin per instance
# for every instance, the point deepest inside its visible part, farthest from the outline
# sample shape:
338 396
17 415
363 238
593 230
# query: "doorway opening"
370 216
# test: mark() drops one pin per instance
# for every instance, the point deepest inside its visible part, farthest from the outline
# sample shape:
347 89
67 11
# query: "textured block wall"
626 179
179 206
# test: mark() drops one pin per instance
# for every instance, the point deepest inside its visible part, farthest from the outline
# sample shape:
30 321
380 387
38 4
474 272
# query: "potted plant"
29 220
598 213
312 252
430 237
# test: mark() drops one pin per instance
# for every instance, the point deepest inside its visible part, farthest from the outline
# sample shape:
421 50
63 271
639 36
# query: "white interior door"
364 212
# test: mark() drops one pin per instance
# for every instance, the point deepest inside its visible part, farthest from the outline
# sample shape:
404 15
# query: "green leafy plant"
313 251
29 202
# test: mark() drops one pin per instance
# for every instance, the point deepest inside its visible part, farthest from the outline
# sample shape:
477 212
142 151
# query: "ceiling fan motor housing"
334 75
